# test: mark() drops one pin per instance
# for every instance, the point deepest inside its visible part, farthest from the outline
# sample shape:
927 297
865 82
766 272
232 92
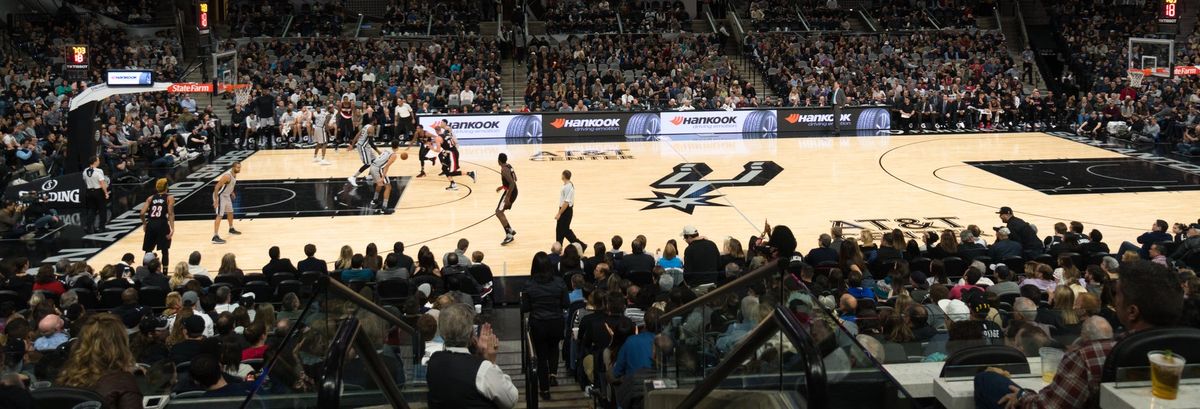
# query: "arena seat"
66 398
971 360
1131 351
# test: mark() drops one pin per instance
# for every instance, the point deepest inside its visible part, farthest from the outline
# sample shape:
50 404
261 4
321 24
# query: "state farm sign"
190 87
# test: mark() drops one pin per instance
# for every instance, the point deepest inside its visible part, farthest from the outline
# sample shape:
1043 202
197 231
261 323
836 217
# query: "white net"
1135 78
241 96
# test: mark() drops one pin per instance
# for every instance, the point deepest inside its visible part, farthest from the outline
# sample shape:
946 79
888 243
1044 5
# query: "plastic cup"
1165 371
1051 357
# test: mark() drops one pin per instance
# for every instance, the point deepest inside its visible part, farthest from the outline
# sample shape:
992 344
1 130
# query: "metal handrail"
780 321
746 279
933 22
529 364
287 26
711 24
803 21
866 18
362 302
358 26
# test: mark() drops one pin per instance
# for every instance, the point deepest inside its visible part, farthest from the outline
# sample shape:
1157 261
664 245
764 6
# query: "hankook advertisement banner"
862 121
488 126
754 123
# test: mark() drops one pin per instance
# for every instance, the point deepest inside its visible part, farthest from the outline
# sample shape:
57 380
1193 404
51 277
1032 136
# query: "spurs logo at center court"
692 190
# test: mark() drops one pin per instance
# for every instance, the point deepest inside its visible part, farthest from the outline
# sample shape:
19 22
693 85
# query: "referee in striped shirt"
566 211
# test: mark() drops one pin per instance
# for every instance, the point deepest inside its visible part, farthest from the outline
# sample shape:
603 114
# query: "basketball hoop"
241 92
1136 77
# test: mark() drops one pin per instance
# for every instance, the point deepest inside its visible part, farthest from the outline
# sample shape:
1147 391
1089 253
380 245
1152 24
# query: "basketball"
403 155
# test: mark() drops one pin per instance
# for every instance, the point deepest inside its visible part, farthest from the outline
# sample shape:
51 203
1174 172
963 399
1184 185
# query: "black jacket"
637 262
701 256
1022 232
820 254
312 264
279 265
544 297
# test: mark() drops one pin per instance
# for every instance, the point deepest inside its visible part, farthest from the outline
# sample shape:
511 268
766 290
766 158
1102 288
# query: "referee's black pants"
562 229
97 208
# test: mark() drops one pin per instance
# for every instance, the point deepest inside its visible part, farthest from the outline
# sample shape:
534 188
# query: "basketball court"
725 186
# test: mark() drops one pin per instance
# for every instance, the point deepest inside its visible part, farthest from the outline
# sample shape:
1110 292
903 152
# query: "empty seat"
262 291
1131 351
971 360
66 398
287 286
110 297
152 296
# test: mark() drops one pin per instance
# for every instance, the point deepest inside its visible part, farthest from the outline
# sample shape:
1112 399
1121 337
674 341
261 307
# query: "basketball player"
304 125
508 180
345 121
223 195
446 145
379 170
366 149
425 140
158 221
287 124
320 123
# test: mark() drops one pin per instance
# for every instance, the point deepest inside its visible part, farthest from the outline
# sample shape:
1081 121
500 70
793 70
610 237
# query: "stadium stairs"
1015 42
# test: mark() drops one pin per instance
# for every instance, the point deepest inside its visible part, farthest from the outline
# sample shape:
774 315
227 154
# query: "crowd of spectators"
33 106
128 11
134 329
259 18
774 15
457 17
635 73
319 20
579 16
900 16
641 16
960 79
450 74
1159 111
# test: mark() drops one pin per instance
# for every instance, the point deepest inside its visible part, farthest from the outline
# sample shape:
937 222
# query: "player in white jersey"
363 143
319 125
223 195
287 124
379 170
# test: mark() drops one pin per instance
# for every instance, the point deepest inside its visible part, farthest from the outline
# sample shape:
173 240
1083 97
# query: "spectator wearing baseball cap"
191 300
701 255
1021 232
1004 284
981 309
1190 246
194 342
1004 247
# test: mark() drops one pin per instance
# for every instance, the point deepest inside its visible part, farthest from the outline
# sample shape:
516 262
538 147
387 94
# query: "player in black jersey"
158 221
508 180
425 140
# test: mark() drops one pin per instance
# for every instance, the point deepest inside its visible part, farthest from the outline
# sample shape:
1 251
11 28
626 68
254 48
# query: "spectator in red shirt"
1147 296
256 335
973 276
47 281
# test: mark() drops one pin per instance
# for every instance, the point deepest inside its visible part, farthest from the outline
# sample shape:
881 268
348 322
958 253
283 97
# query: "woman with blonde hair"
1063 301
670 257
101 361
733 253
181 275
867 245
174 304
344 257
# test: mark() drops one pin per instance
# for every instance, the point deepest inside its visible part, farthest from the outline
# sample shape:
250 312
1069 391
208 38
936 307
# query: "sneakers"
325 162
453 186
472 175
352 181
507 239
218 240
387 210
421 175
234 231
315 160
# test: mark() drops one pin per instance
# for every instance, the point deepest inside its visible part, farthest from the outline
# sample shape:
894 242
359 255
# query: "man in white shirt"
404 120
458 378
466 97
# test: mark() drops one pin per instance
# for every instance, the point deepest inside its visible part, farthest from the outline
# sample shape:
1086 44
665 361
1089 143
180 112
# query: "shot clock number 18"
1170 11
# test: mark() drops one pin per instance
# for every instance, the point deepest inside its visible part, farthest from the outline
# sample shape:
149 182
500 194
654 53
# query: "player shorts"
450 164
319 135
224 205
377 174
366 155
506 200
156 237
